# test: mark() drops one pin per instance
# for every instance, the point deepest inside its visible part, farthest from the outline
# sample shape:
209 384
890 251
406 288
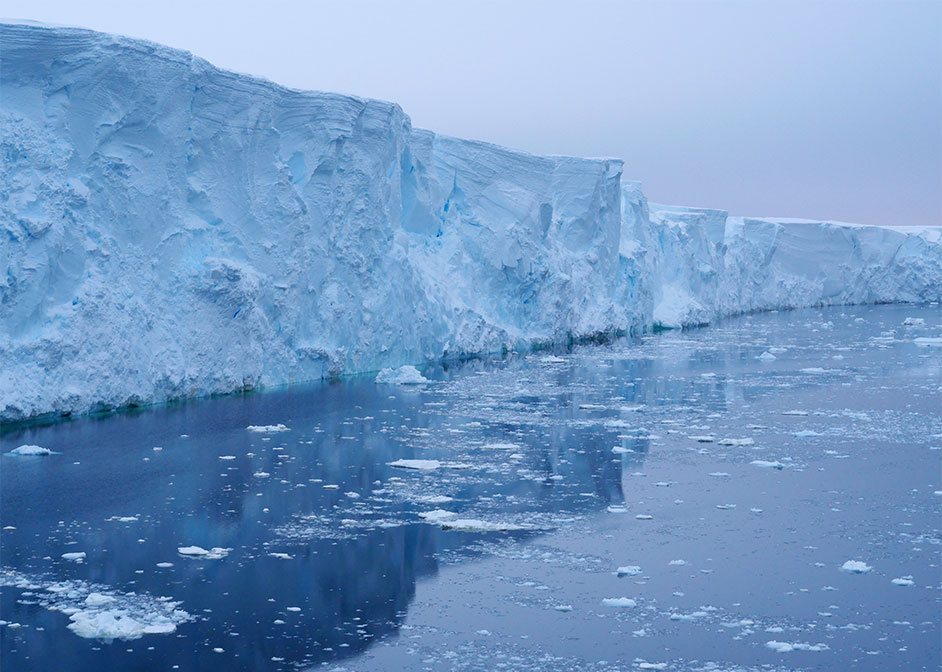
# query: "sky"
817 109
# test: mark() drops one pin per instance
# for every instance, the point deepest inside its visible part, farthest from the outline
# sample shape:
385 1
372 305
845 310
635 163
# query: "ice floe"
267 429
767 464
100 612
215 553
856 567
422 465
737 442
787 647
404 375
30 451
619 602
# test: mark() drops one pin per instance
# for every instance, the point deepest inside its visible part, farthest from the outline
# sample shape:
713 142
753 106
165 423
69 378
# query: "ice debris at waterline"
404 375
312 234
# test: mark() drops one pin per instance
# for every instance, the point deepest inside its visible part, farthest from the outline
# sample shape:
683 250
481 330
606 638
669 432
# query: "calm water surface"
731 488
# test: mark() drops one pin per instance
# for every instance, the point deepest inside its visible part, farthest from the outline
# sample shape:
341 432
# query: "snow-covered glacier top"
171 230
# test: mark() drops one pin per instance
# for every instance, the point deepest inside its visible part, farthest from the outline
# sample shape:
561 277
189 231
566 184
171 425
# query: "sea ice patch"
856 567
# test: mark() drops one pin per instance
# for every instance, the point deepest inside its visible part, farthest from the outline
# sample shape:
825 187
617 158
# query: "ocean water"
730 472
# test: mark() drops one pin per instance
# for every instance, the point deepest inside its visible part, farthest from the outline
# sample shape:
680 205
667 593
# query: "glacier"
173 230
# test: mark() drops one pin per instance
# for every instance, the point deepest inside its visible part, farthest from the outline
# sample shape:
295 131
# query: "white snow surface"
173 230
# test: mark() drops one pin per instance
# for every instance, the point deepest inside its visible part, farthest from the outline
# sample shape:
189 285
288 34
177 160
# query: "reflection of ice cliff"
173 230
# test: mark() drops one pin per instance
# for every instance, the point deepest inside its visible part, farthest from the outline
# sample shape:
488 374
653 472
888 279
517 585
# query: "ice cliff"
170 229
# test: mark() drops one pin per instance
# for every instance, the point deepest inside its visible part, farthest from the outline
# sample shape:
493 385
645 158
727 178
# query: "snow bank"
174 230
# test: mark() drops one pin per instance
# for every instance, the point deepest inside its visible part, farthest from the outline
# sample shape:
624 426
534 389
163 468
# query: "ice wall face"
170 229
516 247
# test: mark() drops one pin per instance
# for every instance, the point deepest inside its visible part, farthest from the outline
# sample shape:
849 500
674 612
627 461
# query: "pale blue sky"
829 110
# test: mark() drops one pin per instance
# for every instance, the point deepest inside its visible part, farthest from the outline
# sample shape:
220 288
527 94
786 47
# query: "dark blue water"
331 563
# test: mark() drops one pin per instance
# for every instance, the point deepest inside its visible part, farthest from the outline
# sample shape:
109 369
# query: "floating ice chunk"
450 521
737 442
766 356
562 607
644 516
434 499
214 553
501 446
621 450
592 407
261 474
767 464
550 360
118 624
719 474
856 567
726 507
404 375
619 602
652 666
422 465
227 457
914 322
98 600
293 609
703 439
122 519
617 508
267 429
282 556
787 647
74 557
30 450
904 581
796 412
815 370
164 565
804 433
628 570
928 342
677 562
474 525
688 617
437 516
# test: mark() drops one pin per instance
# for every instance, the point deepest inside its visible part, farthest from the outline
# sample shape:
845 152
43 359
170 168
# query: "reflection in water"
317 519
327 542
